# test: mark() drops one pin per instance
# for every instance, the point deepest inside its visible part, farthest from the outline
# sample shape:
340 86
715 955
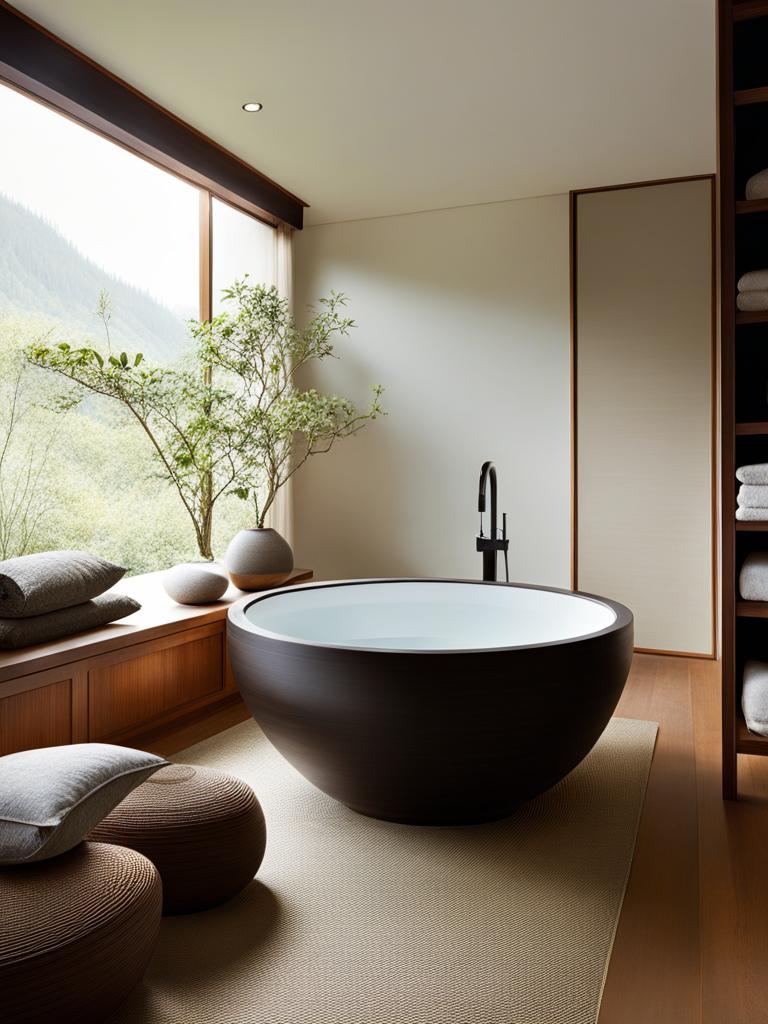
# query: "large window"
241 245
82 218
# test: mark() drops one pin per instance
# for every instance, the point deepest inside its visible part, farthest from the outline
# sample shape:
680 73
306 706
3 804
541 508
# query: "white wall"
463 317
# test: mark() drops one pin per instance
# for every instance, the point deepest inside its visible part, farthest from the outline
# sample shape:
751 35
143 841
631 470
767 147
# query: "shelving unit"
752 609
748 9
742 97
743 151
751 206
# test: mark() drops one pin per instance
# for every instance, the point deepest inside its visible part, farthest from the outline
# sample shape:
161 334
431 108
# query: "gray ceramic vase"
196 582
258 559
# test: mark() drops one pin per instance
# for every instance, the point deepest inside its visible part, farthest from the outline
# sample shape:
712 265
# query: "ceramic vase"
195 582
258 559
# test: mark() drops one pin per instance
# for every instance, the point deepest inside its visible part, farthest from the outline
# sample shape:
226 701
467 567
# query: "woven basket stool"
202 829
76 934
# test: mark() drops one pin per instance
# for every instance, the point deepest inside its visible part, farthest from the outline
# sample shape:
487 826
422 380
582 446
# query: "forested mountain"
41 273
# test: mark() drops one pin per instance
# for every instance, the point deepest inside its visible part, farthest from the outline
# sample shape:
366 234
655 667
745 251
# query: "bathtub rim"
237 617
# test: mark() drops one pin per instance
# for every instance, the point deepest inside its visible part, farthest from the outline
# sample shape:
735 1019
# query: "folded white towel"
753 281
752 515
752 302
757 186
757 474
754 697
753 496
753 578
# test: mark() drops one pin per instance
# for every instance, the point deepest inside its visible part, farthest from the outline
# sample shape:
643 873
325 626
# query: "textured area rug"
358 921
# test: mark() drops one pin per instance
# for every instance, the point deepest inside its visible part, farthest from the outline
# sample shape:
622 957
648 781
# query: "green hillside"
43 274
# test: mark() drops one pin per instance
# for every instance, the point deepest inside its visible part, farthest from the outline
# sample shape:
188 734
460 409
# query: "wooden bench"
130 681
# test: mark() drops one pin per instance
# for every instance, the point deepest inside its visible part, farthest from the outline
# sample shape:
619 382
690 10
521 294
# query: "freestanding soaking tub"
431 701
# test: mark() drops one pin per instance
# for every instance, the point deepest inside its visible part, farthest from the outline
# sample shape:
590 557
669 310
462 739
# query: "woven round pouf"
203 830
76 933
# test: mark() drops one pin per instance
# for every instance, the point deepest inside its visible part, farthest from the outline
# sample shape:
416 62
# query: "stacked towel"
752 497
754 697
56 593
753 578
757 186
757 474
753 291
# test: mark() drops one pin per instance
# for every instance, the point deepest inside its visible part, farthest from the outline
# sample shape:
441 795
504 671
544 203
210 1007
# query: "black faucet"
490 545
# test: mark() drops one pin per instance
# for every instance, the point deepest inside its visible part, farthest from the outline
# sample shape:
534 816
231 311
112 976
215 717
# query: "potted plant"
235 420
256 351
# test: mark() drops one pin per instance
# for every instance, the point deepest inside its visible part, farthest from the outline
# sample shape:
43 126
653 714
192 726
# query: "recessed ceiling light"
252 107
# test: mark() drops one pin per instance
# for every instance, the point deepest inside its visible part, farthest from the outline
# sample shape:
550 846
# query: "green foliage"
231 423
40 270
97 490
257 351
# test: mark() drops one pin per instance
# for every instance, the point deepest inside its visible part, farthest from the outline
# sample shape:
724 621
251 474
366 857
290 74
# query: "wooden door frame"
573 273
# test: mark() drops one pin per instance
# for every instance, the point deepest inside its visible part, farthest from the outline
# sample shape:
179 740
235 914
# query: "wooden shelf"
752 206
743 355
752 609
750 9
749 742
745 97
759 317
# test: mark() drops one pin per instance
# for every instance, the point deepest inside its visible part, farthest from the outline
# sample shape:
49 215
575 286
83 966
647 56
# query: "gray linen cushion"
754 697
51 798
50 580
40 629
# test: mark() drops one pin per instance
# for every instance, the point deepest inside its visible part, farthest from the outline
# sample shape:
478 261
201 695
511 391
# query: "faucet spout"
489 546
487 471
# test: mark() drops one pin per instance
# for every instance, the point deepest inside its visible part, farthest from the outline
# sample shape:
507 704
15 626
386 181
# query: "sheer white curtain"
280 516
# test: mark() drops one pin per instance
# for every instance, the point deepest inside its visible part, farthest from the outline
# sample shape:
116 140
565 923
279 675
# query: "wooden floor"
692 942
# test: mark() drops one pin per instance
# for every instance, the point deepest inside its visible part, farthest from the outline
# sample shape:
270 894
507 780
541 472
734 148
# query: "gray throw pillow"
51 798
50 580
40 629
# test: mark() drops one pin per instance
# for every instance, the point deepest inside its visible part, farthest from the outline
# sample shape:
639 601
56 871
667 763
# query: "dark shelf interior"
750 39
752 386
750 135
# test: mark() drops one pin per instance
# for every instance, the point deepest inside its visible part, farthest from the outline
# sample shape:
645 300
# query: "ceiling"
374 108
